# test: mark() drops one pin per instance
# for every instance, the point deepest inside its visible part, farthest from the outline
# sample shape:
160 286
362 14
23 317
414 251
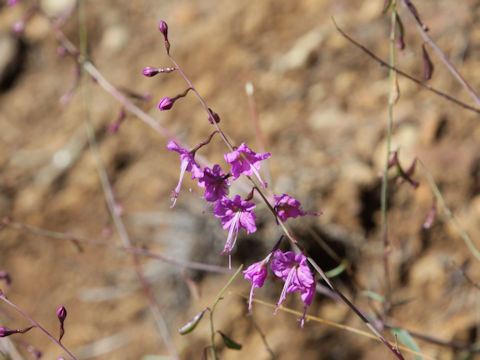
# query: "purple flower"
188 163
12 2
288 207
294 271
245 161
235 214
256 274
215 183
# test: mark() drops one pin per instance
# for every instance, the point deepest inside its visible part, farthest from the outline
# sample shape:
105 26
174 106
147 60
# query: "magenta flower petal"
294 271
187 163
245 161
235 214
256 274
288 207
215 183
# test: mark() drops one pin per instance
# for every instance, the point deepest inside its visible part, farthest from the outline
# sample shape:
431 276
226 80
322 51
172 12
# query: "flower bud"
165 104
4 275
61 313
5 331
163 27
150 71
18 26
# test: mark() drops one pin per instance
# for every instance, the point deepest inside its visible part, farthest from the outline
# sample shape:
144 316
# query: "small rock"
55 7
300 53
114 39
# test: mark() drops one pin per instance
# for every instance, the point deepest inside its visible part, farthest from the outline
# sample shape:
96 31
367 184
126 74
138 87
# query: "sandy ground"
322 107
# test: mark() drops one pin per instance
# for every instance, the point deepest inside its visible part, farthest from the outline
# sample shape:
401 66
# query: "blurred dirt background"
322 106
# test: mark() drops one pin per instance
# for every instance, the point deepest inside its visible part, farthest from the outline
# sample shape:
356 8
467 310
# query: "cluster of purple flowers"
292 269
237 213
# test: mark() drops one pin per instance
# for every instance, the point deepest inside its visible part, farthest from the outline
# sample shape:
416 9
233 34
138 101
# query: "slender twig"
404 74
423 31
466 276
393 96
340 326
357 311
37 325
438 195
212 311
264 338
132 249
110 199
249 90
450 344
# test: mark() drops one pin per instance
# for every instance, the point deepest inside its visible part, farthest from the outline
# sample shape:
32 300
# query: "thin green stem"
383 202
212 311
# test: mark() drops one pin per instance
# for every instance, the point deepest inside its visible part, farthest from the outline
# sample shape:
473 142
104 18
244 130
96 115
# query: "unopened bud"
4 275
4 331
18 26
163 27
62 313
150 71
213 117
166 104
427 64
61 51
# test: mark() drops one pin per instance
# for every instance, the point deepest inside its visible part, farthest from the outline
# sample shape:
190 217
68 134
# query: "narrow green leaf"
407 340
373 295
338 270
229 343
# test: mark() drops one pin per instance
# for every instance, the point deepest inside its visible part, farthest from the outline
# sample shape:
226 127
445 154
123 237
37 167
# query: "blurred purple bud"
150 71
401 33
393 161
18 26
37 354
61 51
4 275
427 64
213 117
113 128
147 96
163 27
431 215
12 2
4 331
165 104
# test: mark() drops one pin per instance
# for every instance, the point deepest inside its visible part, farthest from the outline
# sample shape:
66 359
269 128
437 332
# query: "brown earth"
322 106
